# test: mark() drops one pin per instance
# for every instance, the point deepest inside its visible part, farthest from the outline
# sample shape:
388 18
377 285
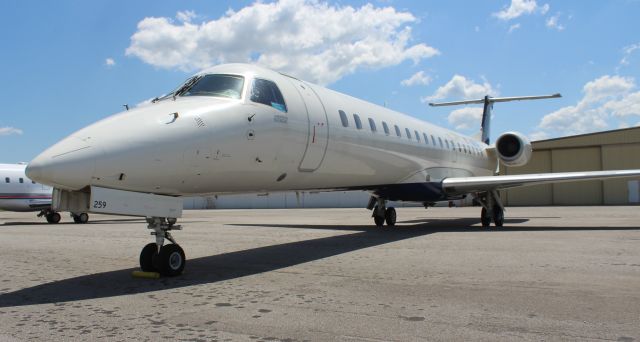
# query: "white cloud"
607 101
186 16
518 8
552 22
307 38
627 51
8 130
514 27
109 62
419 78
466 118
461 88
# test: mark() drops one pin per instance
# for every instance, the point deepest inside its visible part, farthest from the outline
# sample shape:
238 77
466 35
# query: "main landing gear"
168 260
492 209
51 216
80 218
381 213
54 217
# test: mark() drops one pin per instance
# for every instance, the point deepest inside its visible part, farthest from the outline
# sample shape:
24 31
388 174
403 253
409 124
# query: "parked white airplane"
19 193
241 128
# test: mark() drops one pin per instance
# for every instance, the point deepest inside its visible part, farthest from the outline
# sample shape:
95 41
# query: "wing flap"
487 183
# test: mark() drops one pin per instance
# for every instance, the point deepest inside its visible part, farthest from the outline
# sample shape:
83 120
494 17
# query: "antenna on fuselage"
126 106
488 102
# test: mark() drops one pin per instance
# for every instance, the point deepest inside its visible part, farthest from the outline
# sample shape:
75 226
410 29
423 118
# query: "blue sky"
66 64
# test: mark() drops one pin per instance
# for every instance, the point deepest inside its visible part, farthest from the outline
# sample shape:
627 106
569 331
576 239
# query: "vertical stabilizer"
485 125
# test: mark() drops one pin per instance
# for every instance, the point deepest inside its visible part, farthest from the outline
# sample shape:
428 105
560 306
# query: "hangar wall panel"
532 195
615 157
578 193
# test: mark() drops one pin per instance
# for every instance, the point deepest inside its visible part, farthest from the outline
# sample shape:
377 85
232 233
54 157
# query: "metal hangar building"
608 150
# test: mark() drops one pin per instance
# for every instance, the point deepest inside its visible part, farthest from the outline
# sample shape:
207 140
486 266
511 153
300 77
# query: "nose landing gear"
168 260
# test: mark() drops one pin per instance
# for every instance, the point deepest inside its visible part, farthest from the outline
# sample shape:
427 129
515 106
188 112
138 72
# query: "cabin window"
398 131
267 93
433 140
33 182
21 180
214 85
385 127
343 118
417 135
440 139
7 180
372 124
356 118
426 138
406 130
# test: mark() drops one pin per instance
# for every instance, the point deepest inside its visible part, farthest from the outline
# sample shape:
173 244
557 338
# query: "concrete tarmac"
556 273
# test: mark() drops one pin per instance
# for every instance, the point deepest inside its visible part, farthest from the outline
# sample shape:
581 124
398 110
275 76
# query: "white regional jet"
19 193
241 128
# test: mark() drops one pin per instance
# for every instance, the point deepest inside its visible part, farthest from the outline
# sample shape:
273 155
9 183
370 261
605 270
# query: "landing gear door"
318 136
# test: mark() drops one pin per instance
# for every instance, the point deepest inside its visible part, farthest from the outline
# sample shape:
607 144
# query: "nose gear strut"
168 260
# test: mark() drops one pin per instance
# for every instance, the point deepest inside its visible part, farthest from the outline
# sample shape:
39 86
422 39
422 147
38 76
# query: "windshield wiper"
186 86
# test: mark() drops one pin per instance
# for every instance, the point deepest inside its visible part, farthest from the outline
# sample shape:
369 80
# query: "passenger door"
318 134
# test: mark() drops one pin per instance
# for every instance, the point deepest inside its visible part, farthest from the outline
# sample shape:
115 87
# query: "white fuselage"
19 193
190 145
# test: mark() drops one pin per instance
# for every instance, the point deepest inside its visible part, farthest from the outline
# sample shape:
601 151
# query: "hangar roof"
613 137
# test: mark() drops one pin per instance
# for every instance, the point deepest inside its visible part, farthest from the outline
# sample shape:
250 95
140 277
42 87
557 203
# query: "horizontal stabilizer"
495 99
462 185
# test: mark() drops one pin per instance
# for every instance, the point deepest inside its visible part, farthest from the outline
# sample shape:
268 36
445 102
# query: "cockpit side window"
267 93
216 85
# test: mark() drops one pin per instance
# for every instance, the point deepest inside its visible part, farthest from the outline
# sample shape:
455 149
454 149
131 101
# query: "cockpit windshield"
214 85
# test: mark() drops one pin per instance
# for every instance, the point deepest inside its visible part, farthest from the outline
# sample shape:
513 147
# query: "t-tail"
488 102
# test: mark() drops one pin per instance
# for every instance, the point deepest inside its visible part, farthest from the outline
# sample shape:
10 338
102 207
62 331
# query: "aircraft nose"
69 164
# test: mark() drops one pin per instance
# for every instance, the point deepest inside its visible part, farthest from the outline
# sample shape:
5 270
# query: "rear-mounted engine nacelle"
513 149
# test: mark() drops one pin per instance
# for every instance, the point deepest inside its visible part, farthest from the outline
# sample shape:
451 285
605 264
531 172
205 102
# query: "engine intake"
513 149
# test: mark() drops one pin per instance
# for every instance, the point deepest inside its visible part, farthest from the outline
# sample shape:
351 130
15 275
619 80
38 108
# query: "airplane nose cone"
69 164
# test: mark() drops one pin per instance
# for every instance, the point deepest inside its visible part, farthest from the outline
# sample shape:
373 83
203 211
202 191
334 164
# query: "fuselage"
316 139
19 193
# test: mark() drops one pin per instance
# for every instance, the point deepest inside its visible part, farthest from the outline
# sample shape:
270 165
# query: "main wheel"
171 220
146 257
53 218
171 260
82 218
498 216
378 220
485 219
390 216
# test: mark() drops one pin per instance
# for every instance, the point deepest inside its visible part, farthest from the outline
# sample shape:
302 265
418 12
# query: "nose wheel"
168 260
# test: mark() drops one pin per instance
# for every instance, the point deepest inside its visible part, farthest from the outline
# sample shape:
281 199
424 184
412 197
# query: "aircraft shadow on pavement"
64 223
215 268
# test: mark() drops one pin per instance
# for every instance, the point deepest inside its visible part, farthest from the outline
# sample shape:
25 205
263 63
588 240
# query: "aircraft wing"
463 185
